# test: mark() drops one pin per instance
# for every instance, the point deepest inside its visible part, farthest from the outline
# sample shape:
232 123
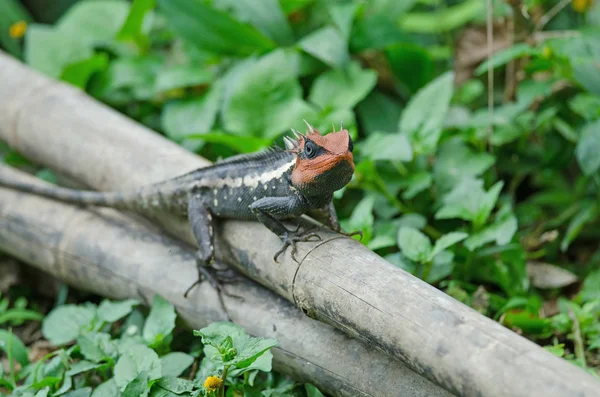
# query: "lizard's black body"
267 186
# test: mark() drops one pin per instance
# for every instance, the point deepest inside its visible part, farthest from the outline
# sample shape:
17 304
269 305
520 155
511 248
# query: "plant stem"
223 377
10 358
578 339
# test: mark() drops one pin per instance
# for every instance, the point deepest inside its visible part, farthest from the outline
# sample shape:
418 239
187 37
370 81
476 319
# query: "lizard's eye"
310 149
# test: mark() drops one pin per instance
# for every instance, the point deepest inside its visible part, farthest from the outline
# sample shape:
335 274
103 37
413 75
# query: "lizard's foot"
290 238
350 234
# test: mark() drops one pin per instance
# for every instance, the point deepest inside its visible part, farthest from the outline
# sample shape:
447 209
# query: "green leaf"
376 32
160 322
135 360
446 241
138 387
469 201
65 323
379 112
591 287
83 392
79 73
242 144
266 15
127 79
266 99
448 18
588 148
182 76
176 385
362 217
191 116
107 389
18 350
211 30
96 347
501 231
411 64
343 88
587 214
110 312
248 348
328 45
423 118
414 244
49 51
342 16
387 146
503 57
11 12
456 161
312 391
586 105
132 27
416 183
94 22
17 316
175 363
82 366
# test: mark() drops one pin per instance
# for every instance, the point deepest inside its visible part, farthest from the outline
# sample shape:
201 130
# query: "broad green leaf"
65 323
376 32
160 322
138 387
127 79
79 73
379 112
182 76
211 30
587 214
11 13
342 88
263 363
16 316
446 241
96 347
135 360
176 385
416 183
110 311
414 244
591 287
387 146
328 45
423 118
456 161
242 144
442 266
94 22
501 231
586 105
391 8
107 389
411 64
175 363
43 393
588 148
266 99
82 366
247 348
342 16
292 6
18 350
504 56
586 73
191 116
83 392
469 201
362 217
49 51
266 15
557 350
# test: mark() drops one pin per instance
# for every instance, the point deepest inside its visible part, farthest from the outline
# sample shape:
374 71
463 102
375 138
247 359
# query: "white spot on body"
254 198
216 202
240 199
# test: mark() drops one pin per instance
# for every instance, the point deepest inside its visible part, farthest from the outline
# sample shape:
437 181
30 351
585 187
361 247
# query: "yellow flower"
212 383
17 29
582 5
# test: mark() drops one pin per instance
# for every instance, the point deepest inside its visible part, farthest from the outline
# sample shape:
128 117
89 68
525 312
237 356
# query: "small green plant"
111 350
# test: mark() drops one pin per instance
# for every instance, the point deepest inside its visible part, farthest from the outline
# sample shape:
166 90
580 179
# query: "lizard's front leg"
201 222
334 224
269 210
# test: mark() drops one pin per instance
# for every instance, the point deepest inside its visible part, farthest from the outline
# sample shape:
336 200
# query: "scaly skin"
268 186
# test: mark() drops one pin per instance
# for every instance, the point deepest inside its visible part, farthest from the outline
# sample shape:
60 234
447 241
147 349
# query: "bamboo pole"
103 251
337 281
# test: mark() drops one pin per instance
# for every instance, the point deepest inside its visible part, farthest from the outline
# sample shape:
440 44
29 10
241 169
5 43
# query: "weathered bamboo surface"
337 281
113 255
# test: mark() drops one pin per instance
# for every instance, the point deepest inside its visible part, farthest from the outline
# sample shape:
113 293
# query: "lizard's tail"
126 201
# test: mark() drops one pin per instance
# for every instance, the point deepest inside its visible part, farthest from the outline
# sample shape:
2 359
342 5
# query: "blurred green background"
504 219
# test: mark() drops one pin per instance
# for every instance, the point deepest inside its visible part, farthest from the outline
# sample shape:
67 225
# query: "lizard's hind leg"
201 222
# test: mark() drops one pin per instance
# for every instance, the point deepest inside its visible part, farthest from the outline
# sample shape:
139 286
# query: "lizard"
268 186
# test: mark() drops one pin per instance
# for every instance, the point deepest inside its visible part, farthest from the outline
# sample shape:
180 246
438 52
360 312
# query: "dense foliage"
500 208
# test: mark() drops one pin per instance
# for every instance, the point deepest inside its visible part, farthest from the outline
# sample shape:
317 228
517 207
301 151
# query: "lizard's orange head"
324 163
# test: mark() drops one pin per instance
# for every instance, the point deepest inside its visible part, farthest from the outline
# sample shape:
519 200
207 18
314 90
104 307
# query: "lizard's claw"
350 234
291 238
